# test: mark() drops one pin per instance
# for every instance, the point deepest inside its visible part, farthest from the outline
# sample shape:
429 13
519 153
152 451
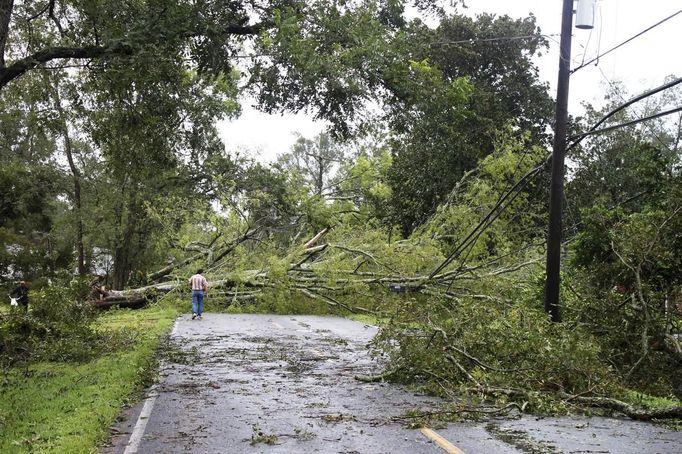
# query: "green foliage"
630 264
619 171
328 58
27 213
460 118
56 328
424 163
447 108
364 189
625 260
499 343
66 407
476 195
314 160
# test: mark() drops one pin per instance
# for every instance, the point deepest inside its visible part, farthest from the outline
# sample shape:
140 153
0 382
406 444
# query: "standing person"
21 293
199 286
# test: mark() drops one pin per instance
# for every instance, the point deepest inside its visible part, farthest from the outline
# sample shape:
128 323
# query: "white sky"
641 64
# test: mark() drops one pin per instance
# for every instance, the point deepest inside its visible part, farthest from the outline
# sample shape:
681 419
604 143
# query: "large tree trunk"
75 173
77 202
122 252
132 301
163 272
319 178
6 7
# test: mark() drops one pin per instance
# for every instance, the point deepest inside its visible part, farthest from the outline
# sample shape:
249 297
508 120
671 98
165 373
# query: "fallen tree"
601 402
212 254
309 278
133 301
471 318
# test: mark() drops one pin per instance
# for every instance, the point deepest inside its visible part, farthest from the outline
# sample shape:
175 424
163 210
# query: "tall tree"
63 128
31 185
314 159
154 133
150 79
465 85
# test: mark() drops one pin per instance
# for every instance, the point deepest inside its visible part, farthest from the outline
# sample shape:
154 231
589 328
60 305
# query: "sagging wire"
500 38
626 41
509 196
627 123
515 190
651 130
578 138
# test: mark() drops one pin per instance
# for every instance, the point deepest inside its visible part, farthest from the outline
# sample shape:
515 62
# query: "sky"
640 65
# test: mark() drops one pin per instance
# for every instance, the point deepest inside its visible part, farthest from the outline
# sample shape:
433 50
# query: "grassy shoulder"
67 407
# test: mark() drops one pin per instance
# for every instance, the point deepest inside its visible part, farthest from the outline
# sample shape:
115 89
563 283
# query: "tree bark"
6 7
22 66
133 301
120 47
629 410
311 242
77 201
163 272
75 173
122 252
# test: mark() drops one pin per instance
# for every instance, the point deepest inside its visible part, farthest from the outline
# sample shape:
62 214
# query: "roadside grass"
368 319
68 407
648 401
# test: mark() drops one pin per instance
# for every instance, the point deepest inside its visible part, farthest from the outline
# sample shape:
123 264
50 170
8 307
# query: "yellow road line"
440 441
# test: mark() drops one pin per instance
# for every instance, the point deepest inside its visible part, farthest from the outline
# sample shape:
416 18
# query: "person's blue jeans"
197 302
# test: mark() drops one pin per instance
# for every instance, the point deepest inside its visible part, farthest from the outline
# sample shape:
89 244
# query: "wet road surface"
276 384
285 384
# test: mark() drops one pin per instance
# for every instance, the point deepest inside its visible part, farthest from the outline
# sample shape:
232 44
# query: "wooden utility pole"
552 283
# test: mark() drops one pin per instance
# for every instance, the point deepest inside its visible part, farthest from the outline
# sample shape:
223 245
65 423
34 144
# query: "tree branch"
22 66
54 18
627 409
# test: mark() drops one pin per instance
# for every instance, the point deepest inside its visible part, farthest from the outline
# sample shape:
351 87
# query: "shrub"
56 328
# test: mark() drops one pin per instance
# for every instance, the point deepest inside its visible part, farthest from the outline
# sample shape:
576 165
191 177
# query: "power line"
500 38
492 215
578 138
513 192
626 41
617 91
628 123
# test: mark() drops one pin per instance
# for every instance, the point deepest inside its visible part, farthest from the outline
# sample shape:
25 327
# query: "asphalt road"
285 384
